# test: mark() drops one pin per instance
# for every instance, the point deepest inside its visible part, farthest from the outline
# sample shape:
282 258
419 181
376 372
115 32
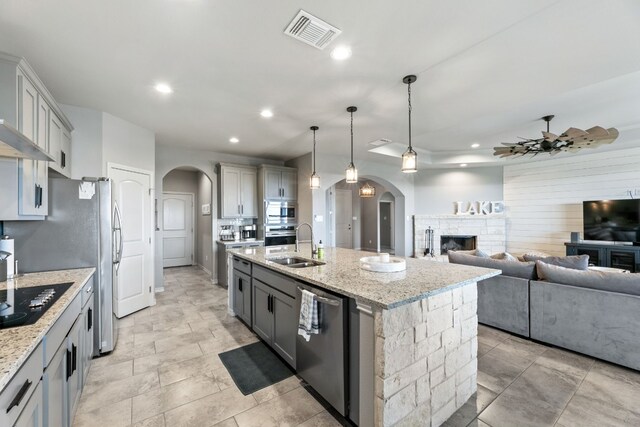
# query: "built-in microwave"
280 212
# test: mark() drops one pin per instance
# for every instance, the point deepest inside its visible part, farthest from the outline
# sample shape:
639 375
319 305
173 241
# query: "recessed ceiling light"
463 165
475 145
234 140
340 53
266 113
163 88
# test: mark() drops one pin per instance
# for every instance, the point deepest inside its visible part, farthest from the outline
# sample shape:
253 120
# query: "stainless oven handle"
323 300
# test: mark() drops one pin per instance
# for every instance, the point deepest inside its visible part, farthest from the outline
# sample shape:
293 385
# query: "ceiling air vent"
311 30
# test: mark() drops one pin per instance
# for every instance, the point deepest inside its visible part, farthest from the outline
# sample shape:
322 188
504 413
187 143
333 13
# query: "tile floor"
165 372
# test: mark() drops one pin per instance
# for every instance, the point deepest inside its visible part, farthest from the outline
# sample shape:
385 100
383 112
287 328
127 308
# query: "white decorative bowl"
374 263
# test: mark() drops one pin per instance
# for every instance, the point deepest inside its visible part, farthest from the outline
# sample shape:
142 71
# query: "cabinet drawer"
87 292
242 265
16 394
275 280
60 329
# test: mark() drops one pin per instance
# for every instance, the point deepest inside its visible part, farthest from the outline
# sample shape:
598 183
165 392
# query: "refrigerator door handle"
118 229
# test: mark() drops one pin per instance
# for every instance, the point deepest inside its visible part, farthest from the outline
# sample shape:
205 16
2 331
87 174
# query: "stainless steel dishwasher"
322 362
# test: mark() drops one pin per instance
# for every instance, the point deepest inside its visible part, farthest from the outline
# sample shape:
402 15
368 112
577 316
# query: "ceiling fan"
571 140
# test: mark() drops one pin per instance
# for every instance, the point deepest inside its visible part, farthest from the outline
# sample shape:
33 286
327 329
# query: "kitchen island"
415 331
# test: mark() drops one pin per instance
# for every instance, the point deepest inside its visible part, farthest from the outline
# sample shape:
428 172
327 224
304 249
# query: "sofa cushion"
506 256
624 283
521 256
577 262
474 252
524 270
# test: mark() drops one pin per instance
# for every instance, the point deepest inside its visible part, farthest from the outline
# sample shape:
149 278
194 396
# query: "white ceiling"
486 69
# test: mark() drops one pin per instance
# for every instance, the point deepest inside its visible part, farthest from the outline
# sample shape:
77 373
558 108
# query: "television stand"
625 257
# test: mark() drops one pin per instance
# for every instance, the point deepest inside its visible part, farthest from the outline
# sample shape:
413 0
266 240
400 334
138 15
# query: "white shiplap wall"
544 199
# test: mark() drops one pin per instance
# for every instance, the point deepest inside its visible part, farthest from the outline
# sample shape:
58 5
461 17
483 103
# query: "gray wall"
86 152
436 190
183 181
205 224
356 224
369 212
303 164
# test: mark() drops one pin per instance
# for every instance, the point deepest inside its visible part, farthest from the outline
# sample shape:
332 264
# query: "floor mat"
254 367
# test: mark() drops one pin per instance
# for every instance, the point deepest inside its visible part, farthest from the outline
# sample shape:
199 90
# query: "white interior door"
344 218
177 227
134 275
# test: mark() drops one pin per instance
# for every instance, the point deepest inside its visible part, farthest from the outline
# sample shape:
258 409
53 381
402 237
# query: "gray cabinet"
242 296
275 320
624 257
74 373
223 267
55 389
87 337
16 395
278 183
238 191
32 414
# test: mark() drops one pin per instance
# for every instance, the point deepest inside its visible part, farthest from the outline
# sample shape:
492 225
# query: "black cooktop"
29 304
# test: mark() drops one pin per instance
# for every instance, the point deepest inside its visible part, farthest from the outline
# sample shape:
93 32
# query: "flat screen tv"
612 220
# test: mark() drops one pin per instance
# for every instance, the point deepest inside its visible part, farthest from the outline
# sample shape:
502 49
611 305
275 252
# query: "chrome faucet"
313 250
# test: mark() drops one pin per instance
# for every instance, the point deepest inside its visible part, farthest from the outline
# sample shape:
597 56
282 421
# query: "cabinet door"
249 193
55 389
285 326
242 296
65 153
262 318
55 139
27 108
43 124
29 191
230 193
87 339
32 414
74 382
289 185
272 188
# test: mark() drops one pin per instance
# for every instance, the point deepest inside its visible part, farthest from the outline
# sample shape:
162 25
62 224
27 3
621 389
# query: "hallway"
165 370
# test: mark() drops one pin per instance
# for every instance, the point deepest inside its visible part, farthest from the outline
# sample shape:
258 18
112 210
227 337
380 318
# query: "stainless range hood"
14 144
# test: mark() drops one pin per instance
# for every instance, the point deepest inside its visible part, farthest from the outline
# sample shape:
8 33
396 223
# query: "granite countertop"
16 344
239 242
342 274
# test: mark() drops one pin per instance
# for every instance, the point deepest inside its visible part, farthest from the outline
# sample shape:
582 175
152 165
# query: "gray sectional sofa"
591 312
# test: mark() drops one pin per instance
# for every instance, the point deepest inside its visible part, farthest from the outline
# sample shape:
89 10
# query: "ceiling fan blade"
548 136
573 133
598 131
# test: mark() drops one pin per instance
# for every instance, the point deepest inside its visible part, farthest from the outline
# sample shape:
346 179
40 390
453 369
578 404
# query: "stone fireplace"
457 243
489 231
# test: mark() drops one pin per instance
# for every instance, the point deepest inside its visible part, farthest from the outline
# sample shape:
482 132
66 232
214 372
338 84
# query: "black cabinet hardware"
63 159
240 285
74 350
89 319
69 365
16 400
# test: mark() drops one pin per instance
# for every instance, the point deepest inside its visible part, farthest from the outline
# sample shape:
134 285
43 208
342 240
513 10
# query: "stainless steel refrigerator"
81 230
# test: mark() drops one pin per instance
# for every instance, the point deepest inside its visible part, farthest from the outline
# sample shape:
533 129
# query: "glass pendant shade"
352 174
409 161
314 181
367 191
410 157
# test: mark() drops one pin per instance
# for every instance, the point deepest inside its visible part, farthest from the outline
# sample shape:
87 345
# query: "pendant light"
410 157
314 180
367 191
352 172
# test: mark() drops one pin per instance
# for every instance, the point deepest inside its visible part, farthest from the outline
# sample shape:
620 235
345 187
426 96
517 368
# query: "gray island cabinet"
410 338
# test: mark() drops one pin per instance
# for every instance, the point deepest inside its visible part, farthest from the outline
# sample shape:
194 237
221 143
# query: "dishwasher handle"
323 300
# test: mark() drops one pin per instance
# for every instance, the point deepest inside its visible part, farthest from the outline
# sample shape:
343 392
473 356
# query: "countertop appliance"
279 212
248 232
278 235
322 361
24 306
81 230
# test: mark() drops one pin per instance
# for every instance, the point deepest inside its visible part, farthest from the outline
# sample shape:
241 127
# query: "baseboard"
160 289
206 270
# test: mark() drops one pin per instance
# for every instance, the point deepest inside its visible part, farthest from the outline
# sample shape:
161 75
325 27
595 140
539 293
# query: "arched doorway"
370 224
185 219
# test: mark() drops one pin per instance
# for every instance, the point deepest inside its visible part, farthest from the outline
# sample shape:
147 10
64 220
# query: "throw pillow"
577 262
625 283
505 256
523 270
474 252
521 256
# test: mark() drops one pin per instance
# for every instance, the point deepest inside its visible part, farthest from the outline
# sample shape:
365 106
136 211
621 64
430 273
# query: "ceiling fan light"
367 191
351 174
314 181
410 161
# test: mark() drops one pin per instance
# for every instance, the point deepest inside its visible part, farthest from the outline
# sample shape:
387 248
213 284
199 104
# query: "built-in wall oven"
281 234
280 212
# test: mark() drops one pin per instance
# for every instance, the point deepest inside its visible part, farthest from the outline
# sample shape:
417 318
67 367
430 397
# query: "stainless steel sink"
296 262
